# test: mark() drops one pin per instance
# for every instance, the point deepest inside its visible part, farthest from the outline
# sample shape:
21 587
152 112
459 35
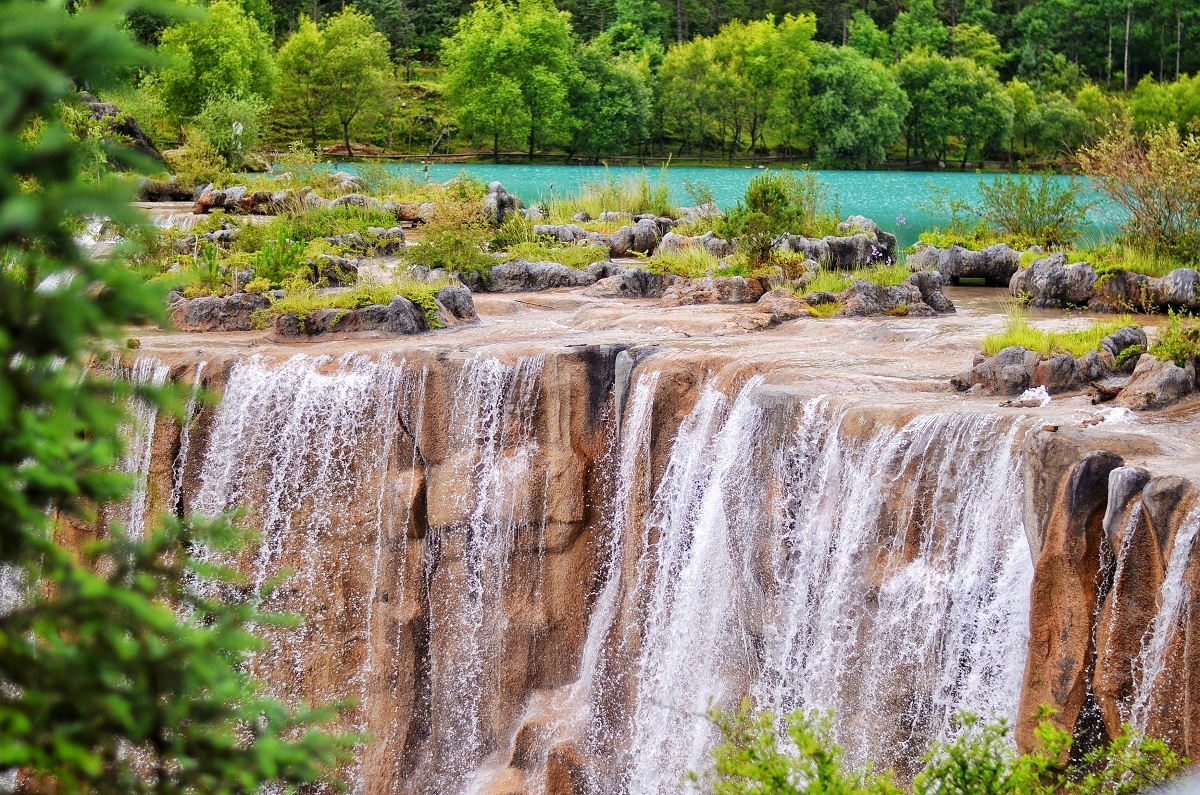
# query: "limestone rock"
913 297
1156 384
886 241
213 313
995 264
458 301
782 304
520 275
631 283
498 203
712 290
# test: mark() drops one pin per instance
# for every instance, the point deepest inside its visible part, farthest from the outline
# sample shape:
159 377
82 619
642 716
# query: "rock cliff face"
534 574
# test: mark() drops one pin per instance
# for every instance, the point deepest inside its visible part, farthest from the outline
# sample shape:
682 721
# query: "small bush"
454 240
1019 331
692 262
514 231
1154 183
1112 257
1038 208
257 286
304 299
776 204
277 261
198 162
1176 341
326 222
233 127
632 194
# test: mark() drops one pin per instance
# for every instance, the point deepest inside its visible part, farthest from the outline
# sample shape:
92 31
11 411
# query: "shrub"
1077 342
326 222
692 262
753 756
278 260
454 240
1038 208
304 299
1154 184
775 204
257 286
198 162
1176 341
233 126
829 280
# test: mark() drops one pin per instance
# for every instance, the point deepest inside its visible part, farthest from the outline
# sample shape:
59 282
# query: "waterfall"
493 449
138 432
185 441
1173 597
885 577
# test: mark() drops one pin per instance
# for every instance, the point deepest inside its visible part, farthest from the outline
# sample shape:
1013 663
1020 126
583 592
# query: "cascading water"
1175 598
886 579
494 449
139 435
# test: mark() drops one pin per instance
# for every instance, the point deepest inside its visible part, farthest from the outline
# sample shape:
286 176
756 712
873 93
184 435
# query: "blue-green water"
892 198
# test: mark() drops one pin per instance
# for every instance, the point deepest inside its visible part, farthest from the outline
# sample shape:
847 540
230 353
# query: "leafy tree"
687 103
972 41
232 126
1025 117
305 91
334 73
1039 208
120 673
774 205
356 68
856 109
1156 104
639 24
919 27
524 51
866 37
1061 126
222 53
611 103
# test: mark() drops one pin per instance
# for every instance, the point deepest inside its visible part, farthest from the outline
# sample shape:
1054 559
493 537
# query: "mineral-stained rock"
520 275
1015 369
212 313
1156 384
401 316
1050 282
995 264
913 297
1064 598
712 290
631 283
498 204
457 300
885 241
782 304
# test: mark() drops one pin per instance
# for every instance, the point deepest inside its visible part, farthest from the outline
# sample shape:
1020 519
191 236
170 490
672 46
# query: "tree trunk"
1178 41
1108 76
496 147
314 12
1128 23
346 138
679 21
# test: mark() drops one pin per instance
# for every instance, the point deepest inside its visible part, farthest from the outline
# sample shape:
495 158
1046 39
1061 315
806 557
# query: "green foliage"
334 74
631 193
755 758
610 102
1048 211
124 674
303 299
321 222
1176 341
955 99
1155 184
1156 104
232 127
692 262
198 163
1018 330
508 68
866 37
221 54
1109 258
278 260
775 204
856 108
919 28
831 280
571 255
455 240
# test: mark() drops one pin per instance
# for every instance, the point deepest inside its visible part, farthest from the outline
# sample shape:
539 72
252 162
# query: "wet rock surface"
994 264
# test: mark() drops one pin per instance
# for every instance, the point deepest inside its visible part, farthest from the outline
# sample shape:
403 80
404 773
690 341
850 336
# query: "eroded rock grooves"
535 573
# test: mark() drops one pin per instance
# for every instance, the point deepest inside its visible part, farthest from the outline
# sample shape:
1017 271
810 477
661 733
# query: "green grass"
629 194
975 239
304 300
829 280
1113 257
311 225
692 262
571 255
1019 331
1177 341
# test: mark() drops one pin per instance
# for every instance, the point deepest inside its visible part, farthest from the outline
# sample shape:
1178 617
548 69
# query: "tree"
856 110
919 27
222 53
305 91
355 69
611 102
525 51
334 72
1024 112
120 674
972 41
866 37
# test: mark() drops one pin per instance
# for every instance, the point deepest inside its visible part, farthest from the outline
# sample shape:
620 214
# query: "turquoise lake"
885 196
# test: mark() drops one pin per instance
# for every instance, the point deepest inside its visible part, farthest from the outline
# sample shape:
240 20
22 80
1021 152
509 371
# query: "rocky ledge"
1119 371
994 264
1052 283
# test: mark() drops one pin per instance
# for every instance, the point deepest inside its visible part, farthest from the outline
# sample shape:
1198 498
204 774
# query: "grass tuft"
830 280
573 256
1019 331
303 300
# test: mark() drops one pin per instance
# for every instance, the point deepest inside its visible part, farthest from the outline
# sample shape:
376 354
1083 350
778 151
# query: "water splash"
139 434
1175 593
185 441
882 575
